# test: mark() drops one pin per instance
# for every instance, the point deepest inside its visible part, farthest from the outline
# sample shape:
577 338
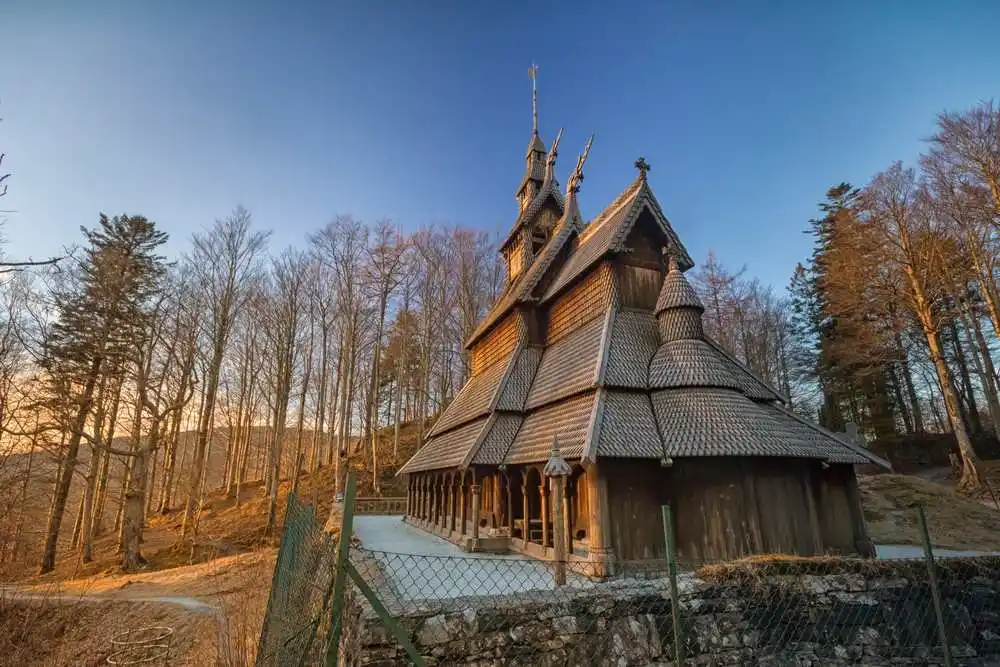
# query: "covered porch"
512 508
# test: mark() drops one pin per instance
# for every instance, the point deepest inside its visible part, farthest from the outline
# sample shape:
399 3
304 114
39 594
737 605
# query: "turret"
678 308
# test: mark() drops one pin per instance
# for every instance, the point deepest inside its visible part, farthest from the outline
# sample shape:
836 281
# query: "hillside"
224 527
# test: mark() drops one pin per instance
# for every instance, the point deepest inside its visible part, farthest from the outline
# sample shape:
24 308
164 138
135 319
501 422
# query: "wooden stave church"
597 341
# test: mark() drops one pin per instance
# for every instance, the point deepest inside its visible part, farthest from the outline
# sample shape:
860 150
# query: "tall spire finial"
533 75
577 176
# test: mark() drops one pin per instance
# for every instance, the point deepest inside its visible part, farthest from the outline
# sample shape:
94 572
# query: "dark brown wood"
638 287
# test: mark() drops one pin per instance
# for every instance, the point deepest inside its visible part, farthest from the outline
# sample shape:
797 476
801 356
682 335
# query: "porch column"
556 471
524 510
599 531
510 508
464 498
450 522
423 498
543 498
567 505
475 513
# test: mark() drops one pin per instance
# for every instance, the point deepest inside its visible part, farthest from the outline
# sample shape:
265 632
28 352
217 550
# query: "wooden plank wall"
636 490
639 287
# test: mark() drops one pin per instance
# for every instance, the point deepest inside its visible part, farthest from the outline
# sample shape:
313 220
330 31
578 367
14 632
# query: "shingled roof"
620 382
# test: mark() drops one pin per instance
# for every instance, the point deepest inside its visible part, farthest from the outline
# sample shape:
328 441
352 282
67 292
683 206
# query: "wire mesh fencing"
766 610
334 604
298 607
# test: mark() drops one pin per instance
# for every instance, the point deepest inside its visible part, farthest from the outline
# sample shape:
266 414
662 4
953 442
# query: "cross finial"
533 75
577 176
643 167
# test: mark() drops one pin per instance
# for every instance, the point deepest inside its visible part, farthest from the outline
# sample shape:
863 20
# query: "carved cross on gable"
642 166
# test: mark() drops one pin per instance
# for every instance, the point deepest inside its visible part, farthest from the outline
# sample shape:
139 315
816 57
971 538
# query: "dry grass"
762 567
67 631
955 521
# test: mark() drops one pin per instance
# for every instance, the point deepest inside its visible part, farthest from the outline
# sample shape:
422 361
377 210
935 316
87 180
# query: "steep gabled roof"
520 289
447 450
608 231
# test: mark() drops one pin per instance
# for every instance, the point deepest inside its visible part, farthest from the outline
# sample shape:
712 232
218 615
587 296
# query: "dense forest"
110 353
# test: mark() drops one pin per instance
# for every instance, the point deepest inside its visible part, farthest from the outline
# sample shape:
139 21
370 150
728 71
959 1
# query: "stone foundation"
860 613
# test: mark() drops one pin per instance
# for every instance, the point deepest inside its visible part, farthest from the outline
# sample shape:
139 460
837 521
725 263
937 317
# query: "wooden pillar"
409 495
543 501
559 528
465 507
567 505
510 509
524 502
495 484
450 503
599 531
475 513
424 502
453 500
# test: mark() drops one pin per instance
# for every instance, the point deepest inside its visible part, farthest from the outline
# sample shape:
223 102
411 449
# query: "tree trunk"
975 423
970 461
984 366
135 498
911 392
65 479
201 444
302 417
316 448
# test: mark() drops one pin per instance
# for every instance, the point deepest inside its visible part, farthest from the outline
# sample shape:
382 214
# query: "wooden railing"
380 506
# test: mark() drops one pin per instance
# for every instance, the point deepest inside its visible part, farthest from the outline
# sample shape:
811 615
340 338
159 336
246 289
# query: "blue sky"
420 111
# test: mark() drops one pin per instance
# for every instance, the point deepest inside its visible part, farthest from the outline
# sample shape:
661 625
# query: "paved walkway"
421 566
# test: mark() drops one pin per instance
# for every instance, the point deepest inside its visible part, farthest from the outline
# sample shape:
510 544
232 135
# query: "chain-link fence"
298 608
478 609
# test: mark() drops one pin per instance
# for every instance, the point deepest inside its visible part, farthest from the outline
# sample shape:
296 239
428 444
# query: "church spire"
534 168
533 74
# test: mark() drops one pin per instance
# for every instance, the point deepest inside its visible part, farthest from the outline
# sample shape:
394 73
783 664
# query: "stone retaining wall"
873 615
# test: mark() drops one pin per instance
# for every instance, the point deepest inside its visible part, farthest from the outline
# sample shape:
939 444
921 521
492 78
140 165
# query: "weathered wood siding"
726 508
636 490
638 286
589 299
644 242
497 345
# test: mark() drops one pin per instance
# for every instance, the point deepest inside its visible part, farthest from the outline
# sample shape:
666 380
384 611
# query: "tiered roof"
626 383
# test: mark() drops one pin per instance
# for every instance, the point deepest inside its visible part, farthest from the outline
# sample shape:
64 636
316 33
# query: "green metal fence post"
340 574
675 609
925 537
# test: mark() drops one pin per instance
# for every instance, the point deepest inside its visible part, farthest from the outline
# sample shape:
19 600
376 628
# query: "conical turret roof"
677 292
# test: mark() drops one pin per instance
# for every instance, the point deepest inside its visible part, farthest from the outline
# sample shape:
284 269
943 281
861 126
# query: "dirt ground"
954 520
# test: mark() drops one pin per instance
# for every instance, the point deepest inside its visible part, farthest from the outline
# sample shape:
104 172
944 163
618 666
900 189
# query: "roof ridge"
611 209
871 456
718 346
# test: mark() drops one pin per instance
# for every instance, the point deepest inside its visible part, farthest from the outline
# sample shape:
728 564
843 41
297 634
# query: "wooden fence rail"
380 506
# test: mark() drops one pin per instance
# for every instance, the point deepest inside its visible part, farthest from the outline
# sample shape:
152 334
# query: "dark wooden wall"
636 490
639 287
727 508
